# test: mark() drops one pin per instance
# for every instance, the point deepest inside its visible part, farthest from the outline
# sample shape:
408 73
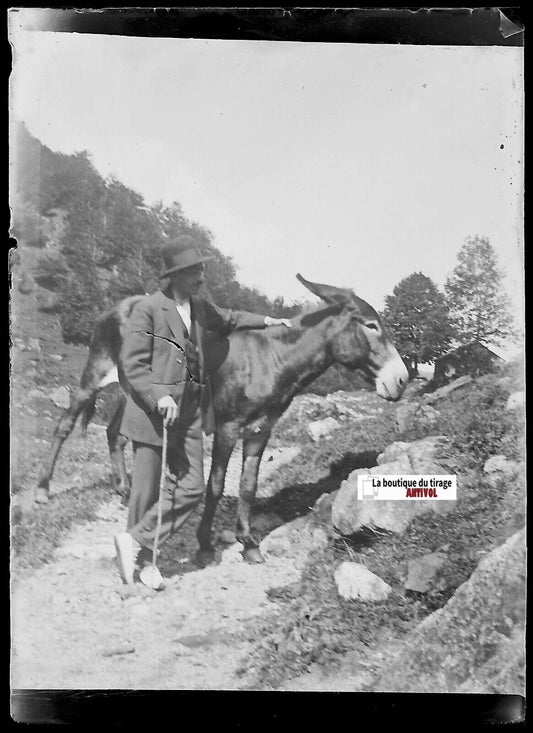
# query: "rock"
228 537
516 401
320 428
34 345
37 394
476 642
438 394
119 649
499 467
349 515
422 571
322 508
393 452
26 284
232 555
56 357
48 302
61 397
278 542
276 546
356 581
194 641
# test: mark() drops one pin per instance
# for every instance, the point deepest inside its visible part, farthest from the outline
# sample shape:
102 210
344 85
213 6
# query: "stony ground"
75 625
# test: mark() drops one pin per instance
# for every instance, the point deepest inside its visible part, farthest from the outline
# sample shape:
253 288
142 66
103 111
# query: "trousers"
185 462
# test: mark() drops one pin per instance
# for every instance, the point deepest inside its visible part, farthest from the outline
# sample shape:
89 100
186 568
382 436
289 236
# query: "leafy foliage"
108 246
478 306
417 315
51 271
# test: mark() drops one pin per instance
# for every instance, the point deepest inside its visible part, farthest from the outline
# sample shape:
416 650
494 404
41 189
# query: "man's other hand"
277 322
168 409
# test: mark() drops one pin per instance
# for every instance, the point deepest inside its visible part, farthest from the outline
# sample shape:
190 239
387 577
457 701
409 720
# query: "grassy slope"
83 465
320 626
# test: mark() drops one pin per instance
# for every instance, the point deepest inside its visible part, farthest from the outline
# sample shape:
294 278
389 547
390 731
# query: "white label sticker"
407 487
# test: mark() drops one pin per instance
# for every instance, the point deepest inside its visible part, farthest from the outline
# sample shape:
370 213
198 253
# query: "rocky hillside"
353 595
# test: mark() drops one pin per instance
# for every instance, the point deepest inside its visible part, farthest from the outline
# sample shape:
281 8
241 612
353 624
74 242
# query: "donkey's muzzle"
392 379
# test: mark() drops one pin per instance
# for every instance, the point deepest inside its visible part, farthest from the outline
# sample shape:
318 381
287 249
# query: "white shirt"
184 310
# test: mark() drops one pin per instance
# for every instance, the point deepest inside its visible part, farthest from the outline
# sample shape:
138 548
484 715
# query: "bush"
51 271
29 227
81 305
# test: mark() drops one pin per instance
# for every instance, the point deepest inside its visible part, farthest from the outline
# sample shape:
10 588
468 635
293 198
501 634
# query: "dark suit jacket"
154 366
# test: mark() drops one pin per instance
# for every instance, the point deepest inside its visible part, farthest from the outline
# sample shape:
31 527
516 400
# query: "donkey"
254 375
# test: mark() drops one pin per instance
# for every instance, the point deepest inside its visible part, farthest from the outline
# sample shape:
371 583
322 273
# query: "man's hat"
180 253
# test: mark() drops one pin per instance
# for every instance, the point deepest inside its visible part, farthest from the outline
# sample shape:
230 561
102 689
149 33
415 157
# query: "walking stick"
147 573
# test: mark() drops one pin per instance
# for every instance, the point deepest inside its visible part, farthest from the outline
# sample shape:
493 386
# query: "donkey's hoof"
41 496
253 556
203 558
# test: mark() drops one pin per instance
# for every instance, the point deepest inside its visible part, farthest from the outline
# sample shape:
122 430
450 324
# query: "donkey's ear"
328 293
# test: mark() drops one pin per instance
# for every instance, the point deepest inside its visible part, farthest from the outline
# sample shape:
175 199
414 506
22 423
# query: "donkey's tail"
87 413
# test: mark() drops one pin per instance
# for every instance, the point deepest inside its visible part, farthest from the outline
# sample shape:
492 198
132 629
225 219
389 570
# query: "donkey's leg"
223 444
80 399
117 445
252 452
97 367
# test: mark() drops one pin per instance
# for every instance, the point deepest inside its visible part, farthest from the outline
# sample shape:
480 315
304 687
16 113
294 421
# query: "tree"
479 308
417 315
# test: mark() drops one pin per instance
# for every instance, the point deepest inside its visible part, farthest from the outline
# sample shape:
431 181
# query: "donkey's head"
360 340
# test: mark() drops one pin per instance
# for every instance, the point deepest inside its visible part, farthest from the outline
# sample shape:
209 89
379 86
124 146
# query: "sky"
352 164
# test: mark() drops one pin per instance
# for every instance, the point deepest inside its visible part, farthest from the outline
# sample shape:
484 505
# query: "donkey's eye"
372 325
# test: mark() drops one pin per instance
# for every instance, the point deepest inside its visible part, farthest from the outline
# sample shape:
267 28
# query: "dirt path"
76 626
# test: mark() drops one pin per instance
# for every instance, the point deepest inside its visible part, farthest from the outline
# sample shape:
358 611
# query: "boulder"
320 428
499 467
476 642
356 581
351 515
422 571
516 401
61 397
56 357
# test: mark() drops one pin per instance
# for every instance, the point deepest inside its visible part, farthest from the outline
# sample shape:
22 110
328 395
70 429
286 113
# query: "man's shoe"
127 550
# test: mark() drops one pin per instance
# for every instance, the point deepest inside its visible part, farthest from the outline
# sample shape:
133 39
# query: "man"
163 361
